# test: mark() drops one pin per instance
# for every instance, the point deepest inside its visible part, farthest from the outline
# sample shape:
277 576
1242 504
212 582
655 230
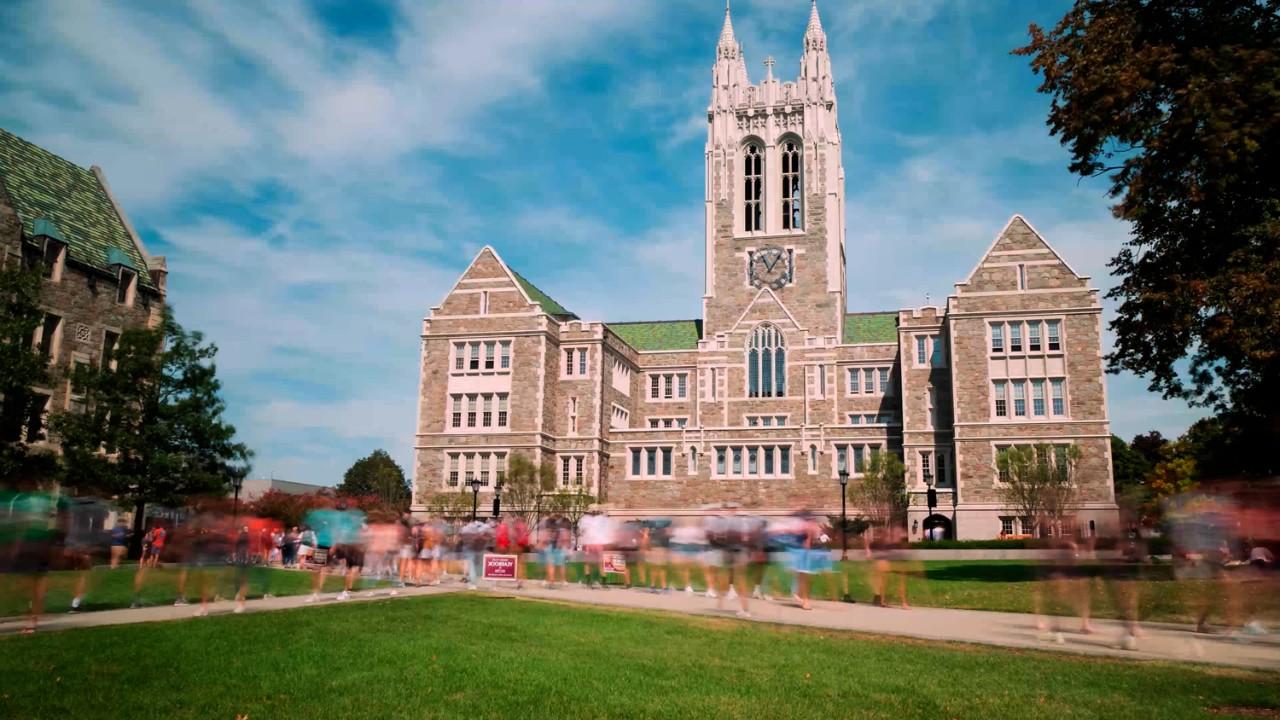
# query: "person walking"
119 543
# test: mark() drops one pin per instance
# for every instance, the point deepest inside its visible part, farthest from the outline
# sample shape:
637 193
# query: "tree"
1038 482
450 504
21 368
290 509
151 430
1128 465
572 505
377 474
1150 446
882 493
1178 103
525 486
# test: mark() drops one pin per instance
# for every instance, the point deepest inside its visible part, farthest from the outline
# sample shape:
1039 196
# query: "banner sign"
615 562
499 567
320 556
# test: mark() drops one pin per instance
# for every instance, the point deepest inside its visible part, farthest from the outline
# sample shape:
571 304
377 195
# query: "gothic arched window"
753 187
766 363
792 204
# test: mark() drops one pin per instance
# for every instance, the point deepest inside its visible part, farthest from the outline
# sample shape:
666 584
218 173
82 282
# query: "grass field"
977 585
478 656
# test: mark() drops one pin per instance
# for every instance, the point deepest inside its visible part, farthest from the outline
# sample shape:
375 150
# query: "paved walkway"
1013 630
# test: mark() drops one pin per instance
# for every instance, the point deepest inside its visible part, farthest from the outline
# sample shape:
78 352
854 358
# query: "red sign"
499 567
615 562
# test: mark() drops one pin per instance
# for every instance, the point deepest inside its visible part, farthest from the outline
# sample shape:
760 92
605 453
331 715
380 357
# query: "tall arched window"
792 204
766 363
753 187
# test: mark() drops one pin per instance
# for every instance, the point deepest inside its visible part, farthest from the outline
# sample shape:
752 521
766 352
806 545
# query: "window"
648 462
1059 457
1033 336
766 363
109 342
1037 398
459 356
932 408
475 466
943 479
886 386
573 416
489 351
575 362
762 461
1059 400
855 381
482 356
792 203
869 382
1019 399
504 355
813 458
1022 277
656 423
999 390
711 386
128 285
35 417
1054 405
1006 525
669 386
50 337
937 360
486 410
922 350
75 392
484 302
997 337
572 470
693 461
853 456
578 464
926 468
930 352
766 420
1055 342
821 371
753 187
1015 337
55 256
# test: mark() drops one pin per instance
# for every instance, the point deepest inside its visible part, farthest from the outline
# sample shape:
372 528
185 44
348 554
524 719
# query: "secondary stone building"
98 277
777 386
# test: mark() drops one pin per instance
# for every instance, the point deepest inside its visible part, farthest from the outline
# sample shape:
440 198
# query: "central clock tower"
774 195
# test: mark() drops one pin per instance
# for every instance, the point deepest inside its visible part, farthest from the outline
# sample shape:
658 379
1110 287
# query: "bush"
1015 544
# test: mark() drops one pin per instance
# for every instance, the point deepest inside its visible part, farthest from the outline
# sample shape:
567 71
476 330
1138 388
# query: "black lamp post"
931 499
236 484
844 520
497 499
475 497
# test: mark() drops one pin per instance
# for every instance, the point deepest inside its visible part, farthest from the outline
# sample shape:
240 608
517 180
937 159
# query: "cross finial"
768 67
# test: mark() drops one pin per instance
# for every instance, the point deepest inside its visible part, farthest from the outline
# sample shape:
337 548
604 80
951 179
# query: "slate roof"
872 327
45 188
660 335
549 305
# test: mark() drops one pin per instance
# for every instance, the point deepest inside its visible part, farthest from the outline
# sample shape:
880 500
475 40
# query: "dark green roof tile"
877 327
660 335
549 306
46 187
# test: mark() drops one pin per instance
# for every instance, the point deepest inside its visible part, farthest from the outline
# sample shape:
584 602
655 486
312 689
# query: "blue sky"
319 173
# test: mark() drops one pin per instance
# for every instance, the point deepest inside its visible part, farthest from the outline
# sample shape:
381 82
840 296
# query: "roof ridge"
531 289
649 322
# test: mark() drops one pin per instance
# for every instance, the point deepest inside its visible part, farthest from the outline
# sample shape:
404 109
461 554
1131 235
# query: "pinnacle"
815 24
726 33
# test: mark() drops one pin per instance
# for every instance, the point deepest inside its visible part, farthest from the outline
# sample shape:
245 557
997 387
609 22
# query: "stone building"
777 386
98 278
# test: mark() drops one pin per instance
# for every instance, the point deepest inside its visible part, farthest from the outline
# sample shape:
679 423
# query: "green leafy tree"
525 487
21 368
378 475
152 430
1177 102
881 494
572 504
1128 466
1038 482
450 504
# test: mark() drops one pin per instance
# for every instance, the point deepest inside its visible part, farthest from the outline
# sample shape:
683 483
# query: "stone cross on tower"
768 67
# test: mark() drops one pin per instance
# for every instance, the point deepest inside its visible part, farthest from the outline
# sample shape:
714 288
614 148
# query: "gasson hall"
778 386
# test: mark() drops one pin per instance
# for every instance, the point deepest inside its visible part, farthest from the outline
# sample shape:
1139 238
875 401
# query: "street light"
236 484
931 500
844 521
497 499
475 496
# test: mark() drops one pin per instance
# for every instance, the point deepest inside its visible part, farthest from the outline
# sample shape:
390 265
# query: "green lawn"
108 589
478 656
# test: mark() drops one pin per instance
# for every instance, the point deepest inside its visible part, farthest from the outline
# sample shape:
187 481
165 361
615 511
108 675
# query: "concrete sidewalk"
1013 630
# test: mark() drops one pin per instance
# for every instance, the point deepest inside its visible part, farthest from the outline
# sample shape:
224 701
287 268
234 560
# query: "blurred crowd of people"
731 555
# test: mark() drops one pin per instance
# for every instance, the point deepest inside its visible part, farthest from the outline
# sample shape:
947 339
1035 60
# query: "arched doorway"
937 527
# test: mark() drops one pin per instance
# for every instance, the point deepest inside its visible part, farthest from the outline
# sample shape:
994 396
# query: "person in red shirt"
157 545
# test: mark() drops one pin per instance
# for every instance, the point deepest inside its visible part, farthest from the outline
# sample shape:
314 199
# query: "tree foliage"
456 504
152 429
881 494
1129 467
379 475
572 504
1177 102
525 486
1038 482
21 368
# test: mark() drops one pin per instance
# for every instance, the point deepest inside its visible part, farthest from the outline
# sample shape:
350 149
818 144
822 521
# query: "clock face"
770 267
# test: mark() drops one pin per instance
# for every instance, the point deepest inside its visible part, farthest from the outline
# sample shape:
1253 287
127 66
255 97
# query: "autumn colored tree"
1177 103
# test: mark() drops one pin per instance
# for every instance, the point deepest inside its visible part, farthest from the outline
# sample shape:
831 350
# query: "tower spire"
727 40
814 37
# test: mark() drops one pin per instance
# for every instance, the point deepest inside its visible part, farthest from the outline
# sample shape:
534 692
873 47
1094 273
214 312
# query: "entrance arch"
942 523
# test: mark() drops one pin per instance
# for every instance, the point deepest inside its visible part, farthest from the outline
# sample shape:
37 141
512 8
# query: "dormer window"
55 259
127 288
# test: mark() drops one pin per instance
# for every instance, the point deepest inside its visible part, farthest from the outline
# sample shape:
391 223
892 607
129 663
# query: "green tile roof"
877 327
661 335
549 306
45 187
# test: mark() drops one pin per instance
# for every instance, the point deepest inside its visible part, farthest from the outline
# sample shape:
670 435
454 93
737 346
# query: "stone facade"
663 418
99 279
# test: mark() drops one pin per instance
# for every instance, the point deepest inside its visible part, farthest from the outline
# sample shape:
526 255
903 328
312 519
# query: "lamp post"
497 499
236 484
475 497
844 521
931 500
